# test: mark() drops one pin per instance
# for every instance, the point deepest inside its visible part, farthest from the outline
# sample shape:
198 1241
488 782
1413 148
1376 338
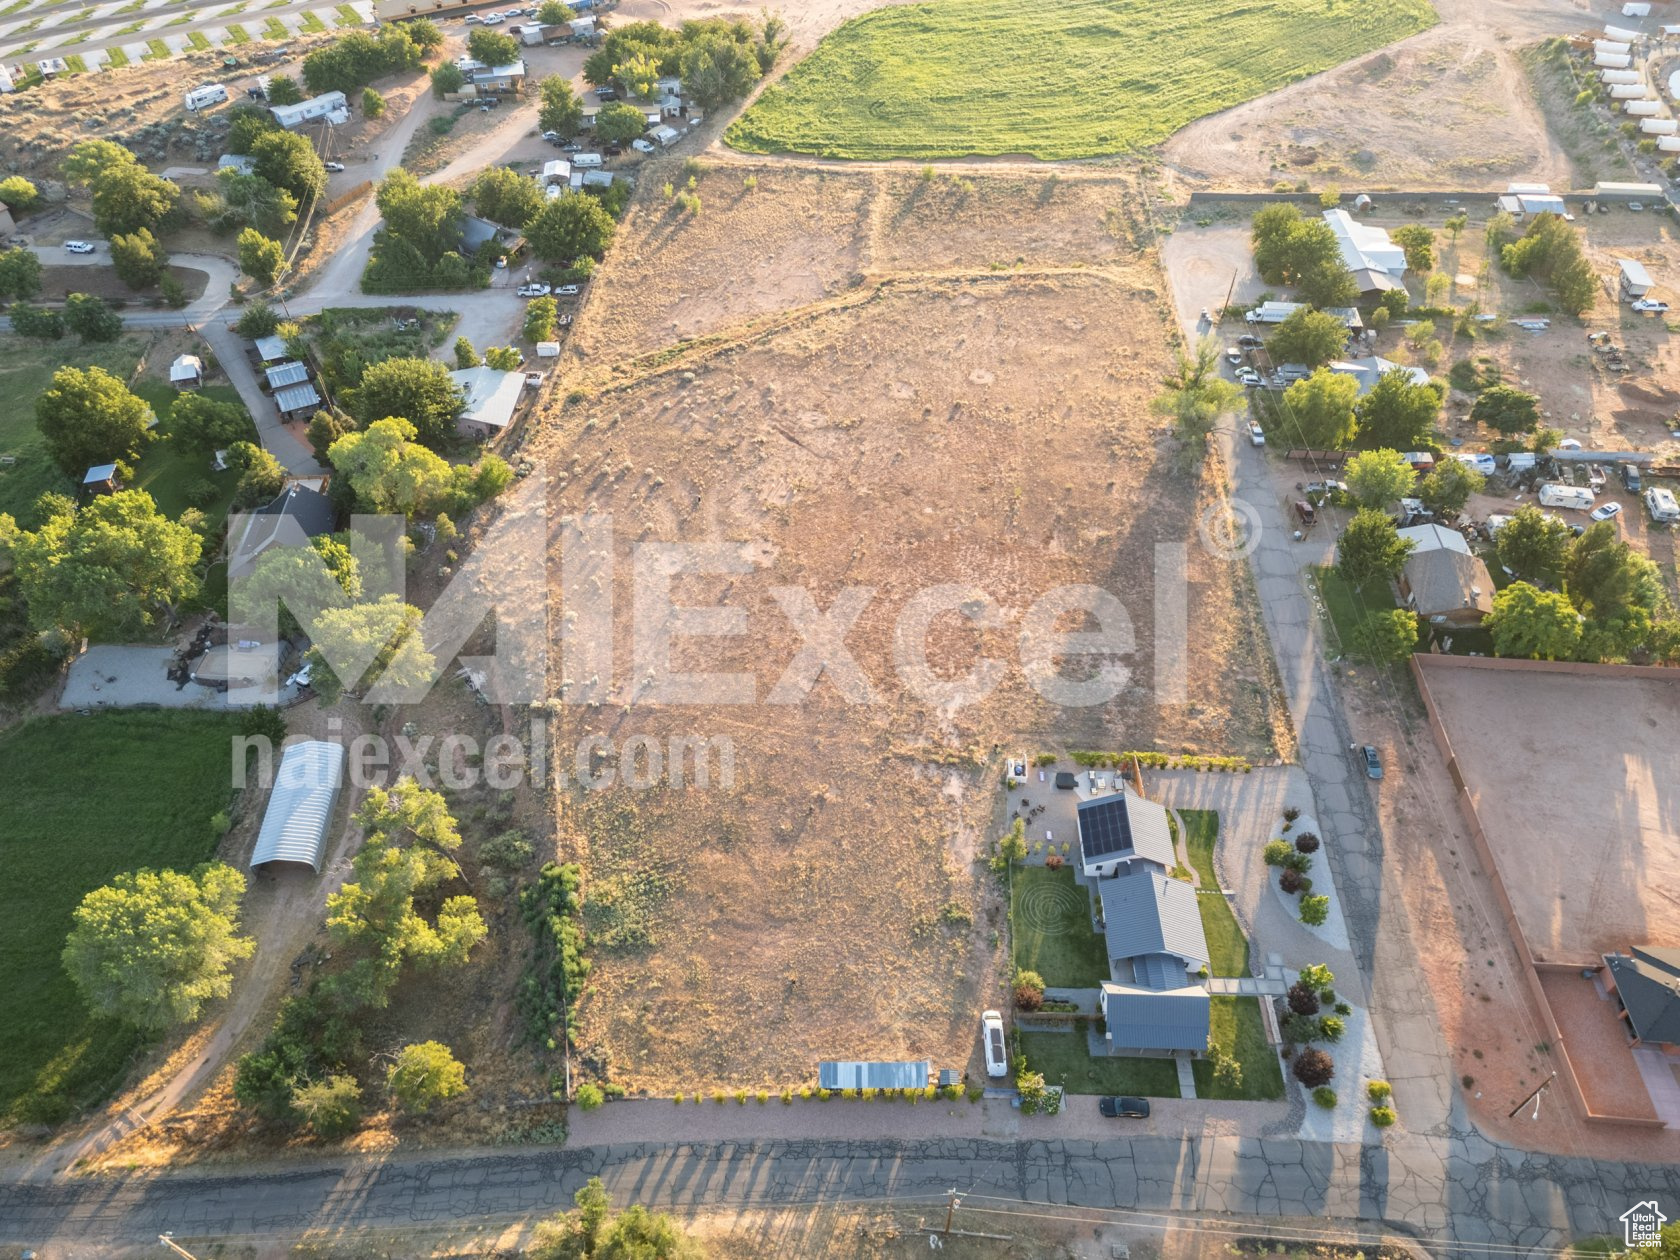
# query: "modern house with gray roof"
1120 829
1156 1022
1646 982
1157 950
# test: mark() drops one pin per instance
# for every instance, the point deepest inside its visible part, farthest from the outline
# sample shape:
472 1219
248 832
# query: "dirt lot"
1450 108
831 891
1598 1046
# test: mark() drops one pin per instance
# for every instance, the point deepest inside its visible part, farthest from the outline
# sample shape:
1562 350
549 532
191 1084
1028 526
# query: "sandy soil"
814 893
1450 108
1598 1046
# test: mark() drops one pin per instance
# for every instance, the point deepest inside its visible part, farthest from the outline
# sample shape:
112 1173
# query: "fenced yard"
1050 917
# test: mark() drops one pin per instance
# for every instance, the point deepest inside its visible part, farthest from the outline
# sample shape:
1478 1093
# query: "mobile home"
1559 496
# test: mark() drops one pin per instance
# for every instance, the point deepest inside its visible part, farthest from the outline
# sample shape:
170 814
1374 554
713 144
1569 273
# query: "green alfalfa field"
1079 78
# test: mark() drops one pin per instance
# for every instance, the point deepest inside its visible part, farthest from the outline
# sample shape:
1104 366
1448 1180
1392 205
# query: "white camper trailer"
1560 496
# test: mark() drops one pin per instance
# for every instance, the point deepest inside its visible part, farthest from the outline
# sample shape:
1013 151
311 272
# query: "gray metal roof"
283 374
1147 913
296 398
1649 986
271 348
1125 825
1142 1020
849 1074
300 809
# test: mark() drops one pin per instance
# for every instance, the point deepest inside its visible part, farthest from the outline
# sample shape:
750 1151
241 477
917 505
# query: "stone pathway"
1246 986
1186 1077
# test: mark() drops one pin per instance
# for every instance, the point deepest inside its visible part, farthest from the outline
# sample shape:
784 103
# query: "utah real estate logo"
1642 1224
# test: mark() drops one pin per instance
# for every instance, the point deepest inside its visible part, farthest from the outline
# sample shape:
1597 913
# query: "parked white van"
586 159
206 95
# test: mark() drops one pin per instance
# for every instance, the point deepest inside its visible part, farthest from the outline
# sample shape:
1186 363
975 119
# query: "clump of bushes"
1313 1067
1306 842
1324 1096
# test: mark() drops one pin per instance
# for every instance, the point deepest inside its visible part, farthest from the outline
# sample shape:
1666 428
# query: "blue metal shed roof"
848 1074
1147 913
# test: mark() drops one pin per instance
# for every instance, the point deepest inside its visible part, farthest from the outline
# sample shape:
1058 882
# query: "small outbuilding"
271 349
836 1074
285 375
187 372
300 809
491 397
1634 281
100 479
300 402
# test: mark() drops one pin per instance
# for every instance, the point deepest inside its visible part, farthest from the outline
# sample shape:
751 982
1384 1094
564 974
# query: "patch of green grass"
1065 1061
1587 1248
308 24
116 58
235 10
80 37
274 28
26 369
95 796
75 64
1236 1023
18 6
34 24
347 16
950 78
198 41
237 34
131 28
1227 946
156 50
180 21
167 471
1050 924
1348 607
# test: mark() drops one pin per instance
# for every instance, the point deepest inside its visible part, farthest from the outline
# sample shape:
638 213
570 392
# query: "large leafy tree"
1419 244
260 258
112 568
251 201
1529 622
1308 337
1398 413
559 110
1551 252
1387 638
91 318
423 1074
152 947
138 258
1195 395
1370 547
91 158
1378 478
128 197
592 1232
492 47
379 638
89 417
573 225
1605 577
207 424
20 273
619 123
716 70
289 161
1507 410
419 391
1289 249
1449 485
1533 545
1319 410
428 217
507 197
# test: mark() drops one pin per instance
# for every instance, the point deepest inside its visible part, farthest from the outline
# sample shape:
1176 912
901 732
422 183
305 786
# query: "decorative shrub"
1302 1000
1306 842
1290 881
1054 862
1325 1097
1342 1008
1314 1067
1315 910
1290 813
1331 1028
1379 1092
589 1097
1277 852
677 1098
1382 1117
763 1096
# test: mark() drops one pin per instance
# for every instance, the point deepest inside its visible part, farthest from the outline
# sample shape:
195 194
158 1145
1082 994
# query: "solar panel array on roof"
1105 826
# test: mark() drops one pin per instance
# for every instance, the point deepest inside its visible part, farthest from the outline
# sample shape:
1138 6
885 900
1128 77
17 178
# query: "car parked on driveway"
1256 435
534 290
991 1034
1248 341
1234 355
1372 761
1124 1107
567 290
1605 512
79 247
1651 305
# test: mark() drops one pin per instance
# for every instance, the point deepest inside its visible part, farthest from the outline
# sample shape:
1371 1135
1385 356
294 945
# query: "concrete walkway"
1186 1077
1657 1071
1246 986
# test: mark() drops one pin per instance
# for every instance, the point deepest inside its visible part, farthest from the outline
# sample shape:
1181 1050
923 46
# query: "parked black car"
1123 1107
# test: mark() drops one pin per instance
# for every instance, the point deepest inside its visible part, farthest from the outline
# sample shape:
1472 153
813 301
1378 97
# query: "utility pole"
951 1211
176 1247
1534 1098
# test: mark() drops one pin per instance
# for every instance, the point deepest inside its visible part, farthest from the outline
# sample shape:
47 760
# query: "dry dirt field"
1450 108
1574 778
942 426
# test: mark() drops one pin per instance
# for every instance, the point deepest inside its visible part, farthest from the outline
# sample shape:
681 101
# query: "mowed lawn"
1064 1060
26 369
1237 1024
87 798
1050 917
1082 78
1227 945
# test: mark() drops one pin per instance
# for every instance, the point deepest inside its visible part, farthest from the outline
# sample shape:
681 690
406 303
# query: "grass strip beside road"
1227 946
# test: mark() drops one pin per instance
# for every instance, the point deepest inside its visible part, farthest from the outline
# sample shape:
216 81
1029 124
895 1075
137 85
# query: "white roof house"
556 171
491 399
1659 126
1641 109
1434 538
329 105
188 369
1635 279
1613 61
1520 204
300 809
1365 247
1368 371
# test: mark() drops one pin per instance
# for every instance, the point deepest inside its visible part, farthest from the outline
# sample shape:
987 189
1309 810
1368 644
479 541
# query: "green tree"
465 355
639 74
389 471
1605 577
592 1232
503 358
559 110
507 197
573 225
717 70
92 158
419 391
1456 224
128 197
1319 410
18 194
1506 410
619 123
1449 485
331 1107
152 947
260 258
1377 478
492 48
245 124
553 13
447 78
1227 1068
29 320
206 424
385 632
89 417
138 258
425 1073
1533 545
20 273
1398 413
91 319
373 104
259 319
1370 548
1387 638
1308 337
1012 845
1529 622
540 317
428 217
261 476
325 428
1550 251
289 162
1289 249
1419 244
284 90
1196 396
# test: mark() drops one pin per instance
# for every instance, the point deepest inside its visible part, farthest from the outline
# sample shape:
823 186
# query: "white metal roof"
1634 272
296 398
300 809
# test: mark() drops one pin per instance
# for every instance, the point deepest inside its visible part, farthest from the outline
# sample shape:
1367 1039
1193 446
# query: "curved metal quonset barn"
300 808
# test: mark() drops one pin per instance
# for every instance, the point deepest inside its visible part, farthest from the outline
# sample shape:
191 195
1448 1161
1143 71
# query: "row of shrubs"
1294 860
1152 760
554 976
807 1093
1380 1093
